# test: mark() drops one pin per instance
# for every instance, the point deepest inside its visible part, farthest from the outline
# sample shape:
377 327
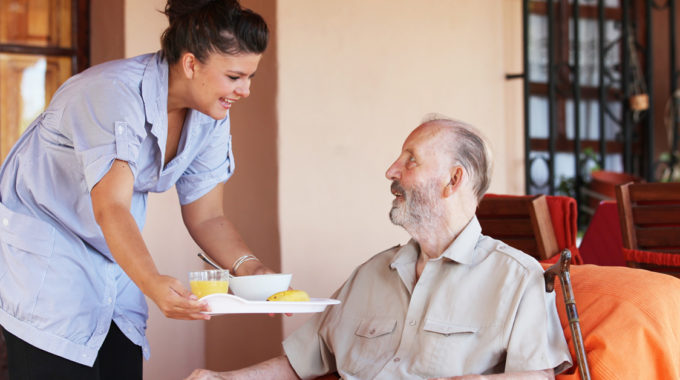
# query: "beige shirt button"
372 331
412 322
396 360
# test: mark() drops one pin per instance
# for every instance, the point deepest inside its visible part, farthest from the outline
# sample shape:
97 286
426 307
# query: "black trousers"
118 359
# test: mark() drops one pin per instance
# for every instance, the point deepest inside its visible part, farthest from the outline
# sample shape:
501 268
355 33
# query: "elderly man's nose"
393 172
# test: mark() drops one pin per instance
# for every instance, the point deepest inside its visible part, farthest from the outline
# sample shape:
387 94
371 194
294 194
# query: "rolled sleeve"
104 128
307 353
536 338
215 164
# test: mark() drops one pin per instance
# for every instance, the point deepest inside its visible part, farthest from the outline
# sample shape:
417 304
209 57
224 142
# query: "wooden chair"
602 187
649 214
523 222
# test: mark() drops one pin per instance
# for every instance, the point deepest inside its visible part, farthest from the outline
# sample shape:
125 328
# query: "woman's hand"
173 299
252 267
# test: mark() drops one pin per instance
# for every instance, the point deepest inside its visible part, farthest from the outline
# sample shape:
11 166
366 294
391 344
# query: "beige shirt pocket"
442 344
374 343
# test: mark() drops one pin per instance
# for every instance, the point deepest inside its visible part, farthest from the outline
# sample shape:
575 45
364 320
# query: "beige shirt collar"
462 249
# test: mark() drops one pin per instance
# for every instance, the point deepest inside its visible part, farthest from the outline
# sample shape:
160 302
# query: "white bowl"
259 287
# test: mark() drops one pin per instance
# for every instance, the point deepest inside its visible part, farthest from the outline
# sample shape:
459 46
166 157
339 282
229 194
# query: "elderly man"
451 303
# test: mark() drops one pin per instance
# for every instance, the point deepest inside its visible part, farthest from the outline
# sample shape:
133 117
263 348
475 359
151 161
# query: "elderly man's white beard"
421 209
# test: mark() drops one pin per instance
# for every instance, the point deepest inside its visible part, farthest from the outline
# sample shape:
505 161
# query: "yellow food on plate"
203 288
290 295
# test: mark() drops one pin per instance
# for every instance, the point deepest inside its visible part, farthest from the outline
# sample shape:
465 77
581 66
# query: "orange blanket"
630 320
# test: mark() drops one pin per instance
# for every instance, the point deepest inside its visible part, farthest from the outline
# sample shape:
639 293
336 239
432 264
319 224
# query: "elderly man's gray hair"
469 148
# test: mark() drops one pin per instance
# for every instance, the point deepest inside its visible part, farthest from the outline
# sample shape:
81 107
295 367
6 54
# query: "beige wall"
338 91
107 30
355 77
251 202
511 151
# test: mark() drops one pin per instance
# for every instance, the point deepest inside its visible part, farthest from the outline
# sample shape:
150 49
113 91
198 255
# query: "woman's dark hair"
202 27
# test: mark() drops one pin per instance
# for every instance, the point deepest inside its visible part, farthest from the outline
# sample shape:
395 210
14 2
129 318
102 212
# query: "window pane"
27 85
589 52
539 170
539 120
538 48
590 120
36 22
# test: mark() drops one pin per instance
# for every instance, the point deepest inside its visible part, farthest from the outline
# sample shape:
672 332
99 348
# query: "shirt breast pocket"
373 343
26 244
448 348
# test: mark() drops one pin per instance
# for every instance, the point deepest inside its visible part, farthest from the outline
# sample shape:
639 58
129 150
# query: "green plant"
589 161
671 170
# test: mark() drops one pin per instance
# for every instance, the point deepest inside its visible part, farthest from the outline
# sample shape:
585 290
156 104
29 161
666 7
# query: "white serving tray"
223 303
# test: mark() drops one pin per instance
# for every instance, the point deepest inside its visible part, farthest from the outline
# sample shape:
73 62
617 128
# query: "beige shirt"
480 308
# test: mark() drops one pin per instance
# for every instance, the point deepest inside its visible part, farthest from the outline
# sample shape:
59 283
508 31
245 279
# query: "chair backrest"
523 222
649 214
602 187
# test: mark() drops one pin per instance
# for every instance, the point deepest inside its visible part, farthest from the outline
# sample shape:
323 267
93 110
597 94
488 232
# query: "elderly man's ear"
454 183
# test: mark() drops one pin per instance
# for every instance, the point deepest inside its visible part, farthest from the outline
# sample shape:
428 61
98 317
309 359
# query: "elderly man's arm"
277 368
526 375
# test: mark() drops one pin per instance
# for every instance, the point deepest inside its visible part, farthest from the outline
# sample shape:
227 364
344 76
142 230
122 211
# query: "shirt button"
109 300
372 331
412 322
5 222
120 130
396 360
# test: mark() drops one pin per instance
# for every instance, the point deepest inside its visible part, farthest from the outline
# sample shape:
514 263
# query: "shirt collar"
155 89
461 250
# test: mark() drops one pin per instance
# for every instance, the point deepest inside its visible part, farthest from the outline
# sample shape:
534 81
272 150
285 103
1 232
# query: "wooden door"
42 43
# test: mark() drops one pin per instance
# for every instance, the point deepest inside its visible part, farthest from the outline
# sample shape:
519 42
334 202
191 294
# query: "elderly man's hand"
204 374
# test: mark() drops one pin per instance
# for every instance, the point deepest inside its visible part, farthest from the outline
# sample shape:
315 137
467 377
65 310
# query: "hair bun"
176 9
201 27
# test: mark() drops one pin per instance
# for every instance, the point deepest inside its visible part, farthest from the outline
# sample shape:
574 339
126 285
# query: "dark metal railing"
622 78
552 98
576 79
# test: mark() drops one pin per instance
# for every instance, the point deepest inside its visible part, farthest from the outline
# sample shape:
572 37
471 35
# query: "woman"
73 266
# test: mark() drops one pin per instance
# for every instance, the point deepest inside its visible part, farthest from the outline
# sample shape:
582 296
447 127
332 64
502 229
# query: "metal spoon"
208 260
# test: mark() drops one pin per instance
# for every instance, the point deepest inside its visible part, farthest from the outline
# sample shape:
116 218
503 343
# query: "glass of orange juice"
209 282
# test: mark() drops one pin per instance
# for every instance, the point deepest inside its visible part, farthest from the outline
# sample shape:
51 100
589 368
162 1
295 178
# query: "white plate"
223 303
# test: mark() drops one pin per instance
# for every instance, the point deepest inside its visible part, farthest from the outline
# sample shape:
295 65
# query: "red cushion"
563 214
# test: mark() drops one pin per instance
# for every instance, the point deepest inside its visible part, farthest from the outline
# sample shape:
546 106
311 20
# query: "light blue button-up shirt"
60 287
